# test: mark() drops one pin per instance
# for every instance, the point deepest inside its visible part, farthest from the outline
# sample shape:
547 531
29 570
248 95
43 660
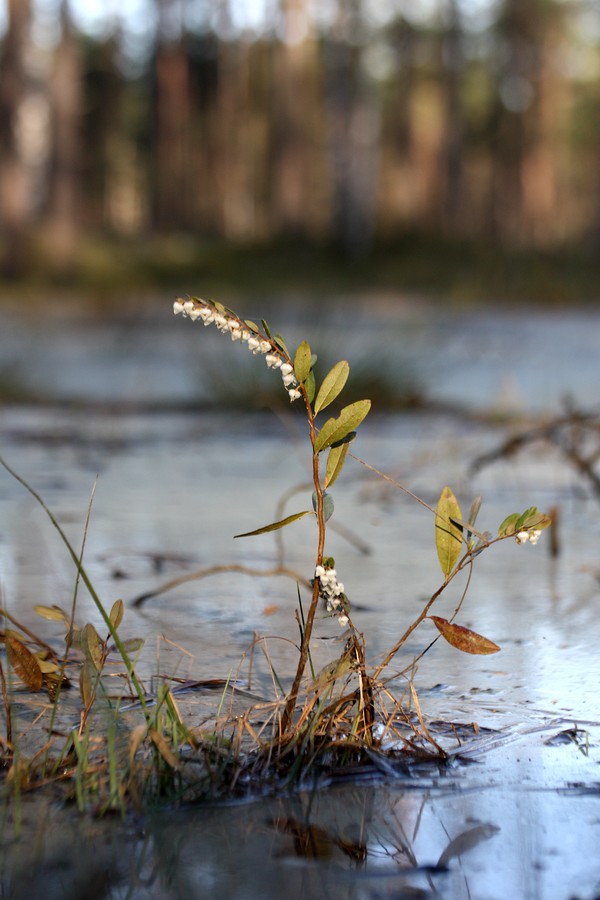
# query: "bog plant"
359 713
344 714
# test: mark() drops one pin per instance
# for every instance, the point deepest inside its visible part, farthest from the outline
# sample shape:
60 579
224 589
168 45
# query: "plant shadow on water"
453 829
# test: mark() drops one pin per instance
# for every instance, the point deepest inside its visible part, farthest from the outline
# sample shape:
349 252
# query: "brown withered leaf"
463 638
24 663
52 682
87 677
163 748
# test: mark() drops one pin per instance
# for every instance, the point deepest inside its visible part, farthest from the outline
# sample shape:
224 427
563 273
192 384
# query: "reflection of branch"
216 570
568 434
466 841
280 569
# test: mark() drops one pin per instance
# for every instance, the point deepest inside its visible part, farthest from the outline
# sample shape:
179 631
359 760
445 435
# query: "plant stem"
290 705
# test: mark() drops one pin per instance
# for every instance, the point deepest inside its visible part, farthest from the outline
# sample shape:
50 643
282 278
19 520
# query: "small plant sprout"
458 542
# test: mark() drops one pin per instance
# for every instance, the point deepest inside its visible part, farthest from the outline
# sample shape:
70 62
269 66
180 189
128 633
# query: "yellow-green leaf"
463 638
132 645
335 462
24 663
54 613
116 613
335 430
333 384
274 526
538 521
47 666
448 535
302 362
91 644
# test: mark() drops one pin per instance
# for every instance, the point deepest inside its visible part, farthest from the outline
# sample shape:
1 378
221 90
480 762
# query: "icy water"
522 818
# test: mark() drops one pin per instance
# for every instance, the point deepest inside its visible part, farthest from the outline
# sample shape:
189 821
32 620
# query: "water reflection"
427 838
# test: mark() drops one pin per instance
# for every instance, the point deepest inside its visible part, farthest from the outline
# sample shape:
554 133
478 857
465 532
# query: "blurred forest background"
140 136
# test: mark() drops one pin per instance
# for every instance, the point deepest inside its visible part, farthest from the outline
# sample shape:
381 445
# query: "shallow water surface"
521 819
510 360
518 817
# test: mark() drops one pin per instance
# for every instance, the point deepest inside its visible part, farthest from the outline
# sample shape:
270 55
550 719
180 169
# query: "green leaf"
333 384
277 339
274 526
508 526
335 462
310 386
252 325
266 328
463 638
302 362
335 430
448 535
328 505
531 519
474 511
538 521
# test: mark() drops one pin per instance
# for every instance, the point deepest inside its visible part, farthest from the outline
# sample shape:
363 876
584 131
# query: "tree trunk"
172 126
353 130
66 109
453 213
297 202
14 199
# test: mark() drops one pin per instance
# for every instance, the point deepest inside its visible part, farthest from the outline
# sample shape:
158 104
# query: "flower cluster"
532 536
332 591
239 331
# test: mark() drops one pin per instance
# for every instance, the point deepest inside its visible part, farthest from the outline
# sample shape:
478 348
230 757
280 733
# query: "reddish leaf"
463 638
